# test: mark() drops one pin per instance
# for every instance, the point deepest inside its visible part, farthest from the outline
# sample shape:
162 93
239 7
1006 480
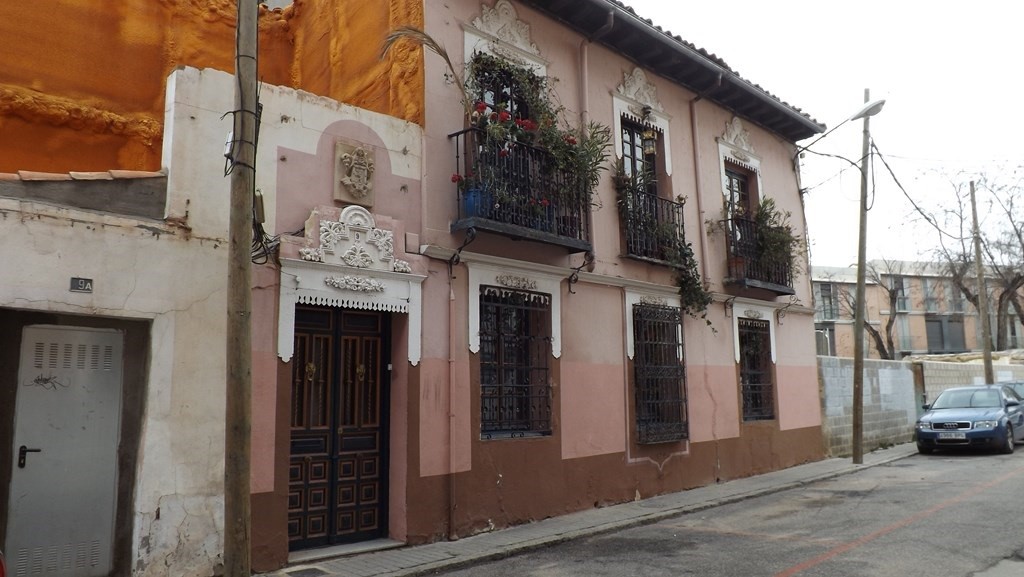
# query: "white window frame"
513 278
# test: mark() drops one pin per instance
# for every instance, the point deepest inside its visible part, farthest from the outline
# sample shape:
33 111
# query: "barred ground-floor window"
515 348
756 387
659 374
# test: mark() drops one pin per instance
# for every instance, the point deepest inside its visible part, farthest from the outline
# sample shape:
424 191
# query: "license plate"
952 435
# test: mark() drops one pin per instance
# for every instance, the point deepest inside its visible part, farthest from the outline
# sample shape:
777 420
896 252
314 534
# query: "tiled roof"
668 55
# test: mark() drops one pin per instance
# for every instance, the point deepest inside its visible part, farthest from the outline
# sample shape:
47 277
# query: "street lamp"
870 109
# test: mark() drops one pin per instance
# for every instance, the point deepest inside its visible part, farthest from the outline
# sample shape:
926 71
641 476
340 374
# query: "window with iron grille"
756 386
659 375
515 343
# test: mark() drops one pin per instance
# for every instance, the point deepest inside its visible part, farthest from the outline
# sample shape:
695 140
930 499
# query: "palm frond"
427 41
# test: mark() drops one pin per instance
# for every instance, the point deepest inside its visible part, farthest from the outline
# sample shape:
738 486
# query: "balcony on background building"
653 226
749 266
517 191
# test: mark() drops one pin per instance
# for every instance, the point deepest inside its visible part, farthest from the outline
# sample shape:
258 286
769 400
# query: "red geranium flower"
456 177
503 116
481 106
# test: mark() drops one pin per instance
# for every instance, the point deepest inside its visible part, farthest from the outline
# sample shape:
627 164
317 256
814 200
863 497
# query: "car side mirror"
1012 403
926 406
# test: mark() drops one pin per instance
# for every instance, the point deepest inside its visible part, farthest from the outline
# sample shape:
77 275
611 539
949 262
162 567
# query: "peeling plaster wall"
140 272
175 277
295 123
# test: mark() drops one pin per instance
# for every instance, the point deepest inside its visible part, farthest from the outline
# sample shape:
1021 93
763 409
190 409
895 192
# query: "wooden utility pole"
986 322
238 416
861 306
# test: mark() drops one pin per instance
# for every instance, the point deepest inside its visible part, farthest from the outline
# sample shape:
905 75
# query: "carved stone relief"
353 170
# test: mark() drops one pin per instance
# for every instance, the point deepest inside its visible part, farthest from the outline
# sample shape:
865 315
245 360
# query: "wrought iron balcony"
517 191
749 267
653 226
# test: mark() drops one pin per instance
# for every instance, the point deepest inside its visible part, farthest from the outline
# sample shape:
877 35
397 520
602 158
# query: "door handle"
22 451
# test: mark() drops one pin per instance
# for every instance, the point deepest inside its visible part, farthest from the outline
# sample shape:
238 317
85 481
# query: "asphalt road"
947 514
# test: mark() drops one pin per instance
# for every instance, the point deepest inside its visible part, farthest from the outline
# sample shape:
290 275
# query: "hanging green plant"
694 295
777 242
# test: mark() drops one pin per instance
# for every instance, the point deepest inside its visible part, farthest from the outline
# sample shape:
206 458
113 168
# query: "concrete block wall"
941 376
890 404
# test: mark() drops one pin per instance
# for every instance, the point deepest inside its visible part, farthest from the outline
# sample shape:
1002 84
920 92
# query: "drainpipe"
696 171
694 134
584 65
452 533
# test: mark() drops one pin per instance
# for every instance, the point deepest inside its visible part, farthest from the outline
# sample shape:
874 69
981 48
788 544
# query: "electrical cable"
927 217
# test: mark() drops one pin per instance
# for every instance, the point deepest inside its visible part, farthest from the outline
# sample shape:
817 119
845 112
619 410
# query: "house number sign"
81 285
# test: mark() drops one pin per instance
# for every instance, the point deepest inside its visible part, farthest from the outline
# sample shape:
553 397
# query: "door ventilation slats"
68 356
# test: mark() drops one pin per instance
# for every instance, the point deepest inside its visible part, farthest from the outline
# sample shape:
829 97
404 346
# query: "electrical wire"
927 217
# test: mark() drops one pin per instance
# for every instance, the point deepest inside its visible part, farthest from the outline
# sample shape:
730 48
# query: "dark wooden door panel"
337 480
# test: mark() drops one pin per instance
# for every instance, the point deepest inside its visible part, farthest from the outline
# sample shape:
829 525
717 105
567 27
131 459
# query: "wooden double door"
337 472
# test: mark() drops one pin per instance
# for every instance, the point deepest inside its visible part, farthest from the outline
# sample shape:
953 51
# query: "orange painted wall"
82 82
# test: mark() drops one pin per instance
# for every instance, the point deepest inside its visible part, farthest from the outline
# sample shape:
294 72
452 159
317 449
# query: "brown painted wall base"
518 481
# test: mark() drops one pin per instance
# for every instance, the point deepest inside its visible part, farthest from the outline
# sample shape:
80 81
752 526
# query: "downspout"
584 65
696 171
694 133
452 533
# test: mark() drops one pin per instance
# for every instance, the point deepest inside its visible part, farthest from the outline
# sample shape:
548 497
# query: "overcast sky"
950 74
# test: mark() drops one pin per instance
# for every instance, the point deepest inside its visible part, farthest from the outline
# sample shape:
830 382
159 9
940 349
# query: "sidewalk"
401 561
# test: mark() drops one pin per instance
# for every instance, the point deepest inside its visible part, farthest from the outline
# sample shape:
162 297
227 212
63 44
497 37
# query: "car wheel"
924 450
1008 445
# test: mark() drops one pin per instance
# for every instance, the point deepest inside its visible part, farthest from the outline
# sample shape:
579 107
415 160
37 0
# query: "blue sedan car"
979 416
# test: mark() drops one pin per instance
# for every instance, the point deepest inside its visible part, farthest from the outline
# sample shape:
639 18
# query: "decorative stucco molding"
738 138
348 263
355 238
355 283
654 301
734 147
637 88
503 23
517 282
499 32
629 100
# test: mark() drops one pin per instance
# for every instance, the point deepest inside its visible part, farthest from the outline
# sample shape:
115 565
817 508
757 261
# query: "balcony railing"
750 268
653 226
517 191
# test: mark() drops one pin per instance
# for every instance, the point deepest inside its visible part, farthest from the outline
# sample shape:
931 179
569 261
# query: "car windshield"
967 398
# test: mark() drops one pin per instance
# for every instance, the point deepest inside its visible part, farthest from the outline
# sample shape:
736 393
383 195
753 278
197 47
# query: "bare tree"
880 274
1002 240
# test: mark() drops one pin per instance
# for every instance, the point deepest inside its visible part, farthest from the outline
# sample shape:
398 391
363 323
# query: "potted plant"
778 245
572 159
694 295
